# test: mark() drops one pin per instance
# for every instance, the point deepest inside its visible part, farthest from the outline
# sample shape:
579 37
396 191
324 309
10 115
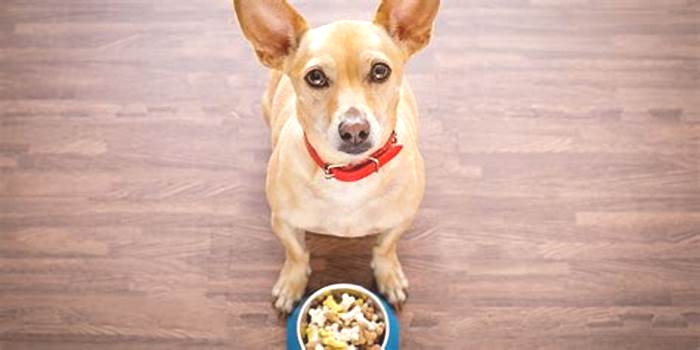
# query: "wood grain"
562 145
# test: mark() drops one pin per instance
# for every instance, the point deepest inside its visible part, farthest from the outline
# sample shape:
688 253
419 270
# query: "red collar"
355 172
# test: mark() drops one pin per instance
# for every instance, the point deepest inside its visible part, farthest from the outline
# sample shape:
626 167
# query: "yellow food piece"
332 304
335 344
328 339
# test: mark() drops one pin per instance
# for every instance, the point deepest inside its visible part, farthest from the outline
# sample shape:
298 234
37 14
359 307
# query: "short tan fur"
347 53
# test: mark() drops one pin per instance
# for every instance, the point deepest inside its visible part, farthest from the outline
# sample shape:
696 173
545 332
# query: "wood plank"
562 146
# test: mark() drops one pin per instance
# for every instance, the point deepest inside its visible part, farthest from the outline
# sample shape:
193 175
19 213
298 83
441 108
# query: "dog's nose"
354 130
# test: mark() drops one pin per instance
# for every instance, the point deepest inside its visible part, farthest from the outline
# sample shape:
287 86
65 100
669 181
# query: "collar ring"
374 161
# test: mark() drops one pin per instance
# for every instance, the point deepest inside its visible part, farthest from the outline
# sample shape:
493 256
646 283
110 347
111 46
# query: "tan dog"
337 95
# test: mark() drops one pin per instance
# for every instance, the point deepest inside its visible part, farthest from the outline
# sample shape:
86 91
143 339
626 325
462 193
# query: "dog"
343 121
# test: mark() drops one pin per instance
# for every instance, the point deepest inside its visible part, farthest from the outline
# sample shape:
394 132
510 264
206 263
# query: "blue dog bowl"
294 340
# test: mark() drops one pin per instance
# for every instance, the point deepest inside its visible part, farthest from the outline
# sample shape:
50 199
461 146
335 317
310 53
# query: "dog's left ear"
409 22
272 26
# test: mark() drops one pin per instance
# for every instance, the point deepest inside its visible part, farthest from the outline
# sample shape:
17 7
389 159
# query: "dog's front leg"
387 269
295 272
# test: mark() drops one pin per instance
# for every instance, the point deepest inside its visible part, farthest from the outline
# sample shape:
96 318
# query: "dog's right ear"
272 26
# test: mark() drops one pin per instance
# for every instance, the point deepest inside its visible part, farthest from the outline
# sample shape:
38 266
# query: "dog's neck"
357 171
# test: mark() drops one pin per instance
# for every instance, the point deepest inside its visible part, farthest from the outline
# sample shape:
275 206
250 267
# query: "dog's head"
347 75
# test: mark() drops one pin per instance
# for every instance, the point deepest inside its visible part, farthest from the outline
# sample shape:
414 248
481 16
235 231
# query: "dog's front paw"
290 285
390 279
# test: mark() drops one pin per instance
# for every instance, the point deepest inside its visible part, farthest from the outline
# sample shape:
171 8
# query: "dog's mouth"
355 149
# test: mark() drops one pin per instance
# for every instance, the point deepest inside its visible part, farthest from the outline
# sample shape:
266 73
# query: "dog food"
343 322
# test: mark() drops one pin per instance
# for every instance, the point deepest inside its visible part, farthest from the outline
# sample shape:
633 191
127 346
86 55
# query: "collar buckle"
327 173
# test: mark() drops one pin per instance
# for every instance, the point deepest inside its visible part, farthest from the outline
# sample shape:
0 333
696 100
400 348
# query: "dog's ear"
409 22
272 26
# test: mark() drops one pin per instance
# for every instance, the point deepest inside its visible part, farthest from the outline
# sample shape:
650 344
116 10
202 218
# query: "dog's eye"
380 72
316 79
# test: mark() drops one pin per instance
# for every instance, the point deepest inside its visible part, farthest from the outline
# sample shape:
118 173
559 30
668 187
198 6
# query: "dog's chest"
348 209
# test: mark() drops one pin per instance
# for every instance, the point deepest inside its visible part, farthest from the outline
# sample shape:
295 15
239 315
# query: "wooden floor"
562 142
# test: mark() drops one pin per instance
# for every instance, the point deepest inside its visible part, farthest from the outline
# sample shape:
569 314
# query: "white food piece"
346 301
317 316
350 334
352 314
313 335
334 330
356 314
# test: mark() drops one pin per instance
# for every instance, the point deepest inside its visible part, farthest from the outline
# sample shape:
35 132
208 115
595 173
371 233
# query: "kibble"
343 322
